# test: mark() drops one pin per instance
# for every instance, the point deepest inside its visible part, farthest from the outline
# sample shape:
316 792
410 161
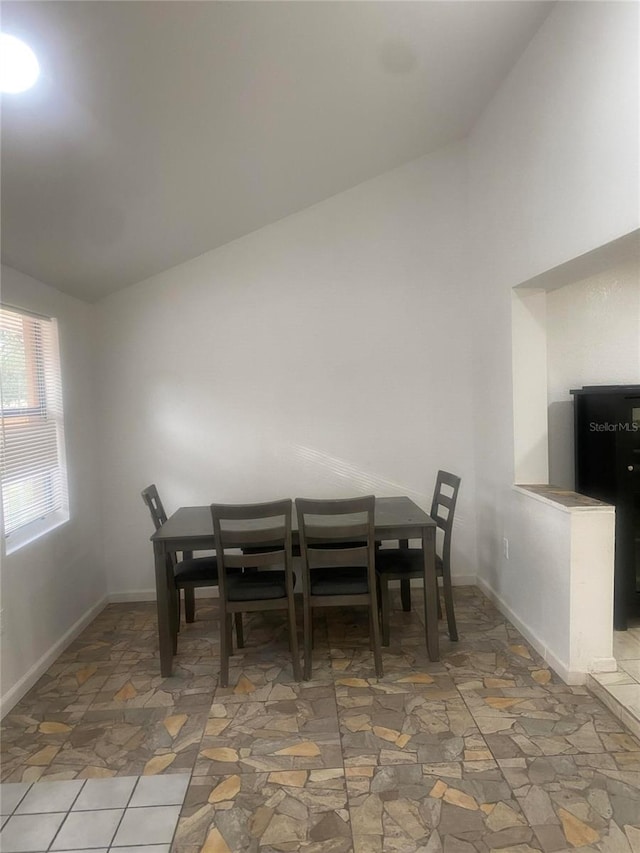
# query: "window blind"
32 465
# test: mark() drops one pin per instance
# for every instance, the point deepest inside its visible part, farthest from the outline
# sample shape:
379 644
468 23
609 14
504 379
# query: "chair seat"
258 585
403 561
197 570
339 581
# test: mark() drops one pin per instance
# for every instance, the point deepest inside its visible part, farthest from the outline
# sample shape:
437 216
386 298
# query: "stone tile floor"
620 690
484 750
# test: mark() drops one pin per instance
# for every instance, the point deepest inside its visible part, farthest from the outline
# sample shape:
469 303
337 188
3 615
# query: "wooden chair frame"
152 500
257 547
331 545
405 555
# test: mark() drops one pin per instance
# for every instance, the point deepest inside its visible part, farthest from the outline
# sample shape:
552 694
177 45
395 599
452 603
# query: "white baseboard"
131 596
150 595
15 693
464 580
458 580
604 665
569 676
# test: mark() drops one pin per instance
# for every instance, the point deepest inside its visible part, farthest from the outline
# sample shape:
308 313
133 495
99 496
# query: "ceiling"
161 130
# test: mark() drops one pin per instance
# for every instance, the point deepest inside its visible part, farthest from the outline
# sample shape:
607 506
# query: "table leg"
163 601
189 595
430 592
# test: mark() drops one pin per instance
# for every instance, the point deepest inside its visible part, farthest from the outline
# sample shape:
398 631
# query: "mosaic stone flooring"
485 750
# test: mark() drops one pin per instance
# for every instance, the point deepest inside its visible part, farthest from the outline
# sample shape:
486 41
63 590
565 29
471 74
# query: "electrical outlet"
505 548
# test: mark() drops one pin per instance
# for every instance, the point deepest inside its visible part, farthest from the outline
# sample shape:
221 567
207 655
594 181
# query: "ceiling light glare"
19 67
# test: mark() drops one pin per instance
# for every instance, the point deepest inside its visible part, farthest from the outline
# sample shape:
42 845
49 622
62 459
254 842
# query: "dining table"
190 529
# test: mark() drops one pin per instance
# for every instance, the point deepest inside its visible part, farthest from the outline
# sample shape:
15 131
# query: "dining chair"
404 563
257 539
189 573
337 545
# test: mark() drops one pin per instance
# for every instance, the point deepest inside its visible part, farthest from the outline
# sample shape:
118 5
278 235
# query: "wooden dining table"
190 529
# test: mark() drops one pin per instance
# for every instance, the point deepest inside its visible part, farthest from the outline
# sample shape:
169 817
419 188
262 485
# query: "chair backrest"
158 515
152 499
443 508
262 531
337 533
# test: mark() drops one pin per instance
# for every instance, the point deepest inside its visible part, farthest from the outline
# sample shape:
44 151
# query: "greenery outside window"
33 464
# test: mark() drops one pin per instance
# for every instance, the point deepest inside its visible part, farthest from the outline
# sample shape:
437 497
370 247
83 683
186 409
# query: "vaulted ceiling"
161 130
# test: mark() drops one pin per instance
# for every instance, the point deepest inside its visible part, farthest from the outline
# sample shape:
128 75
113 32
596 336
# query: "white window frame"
32 434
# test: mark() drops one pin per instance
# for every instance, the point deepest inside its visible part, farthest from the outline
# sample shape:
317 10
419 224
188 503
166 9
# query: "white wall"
591 617
327 354
554 158
529 366
553 170
593 338
563 551
50 587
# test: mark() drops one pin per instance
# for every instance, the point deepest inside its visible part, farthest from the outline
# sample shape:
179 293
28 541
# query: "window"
33 468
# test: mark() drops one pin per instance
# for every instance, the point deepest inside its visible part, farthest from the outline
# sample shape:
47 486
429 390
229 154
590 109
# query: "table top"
398 517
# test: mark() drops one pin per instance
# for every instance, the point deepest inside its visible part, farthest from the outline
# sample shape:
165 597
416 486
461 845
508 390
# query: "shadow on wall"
561 445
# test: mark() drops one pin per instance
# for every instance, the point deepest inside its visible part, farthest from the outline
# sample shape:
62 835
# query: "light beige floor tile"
29 832
88 829
609 678
153 825
628 695
50 797
10 796
631 667
625 646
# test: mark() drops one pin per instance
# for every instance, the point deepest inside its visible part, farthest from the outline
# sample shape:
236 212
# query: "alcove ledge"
563 499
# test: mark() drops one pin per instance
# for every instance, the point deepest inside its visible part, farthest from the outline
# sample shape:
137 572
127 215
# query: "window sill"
30 532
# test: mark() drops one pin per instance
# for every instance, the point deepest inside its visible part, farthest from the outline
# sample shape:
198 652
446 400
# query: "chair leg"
225 635
375 637
174 617
229 626
448 603
189 604
371 630
308 638
405 594
293 640
239 631
384 608
438 601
